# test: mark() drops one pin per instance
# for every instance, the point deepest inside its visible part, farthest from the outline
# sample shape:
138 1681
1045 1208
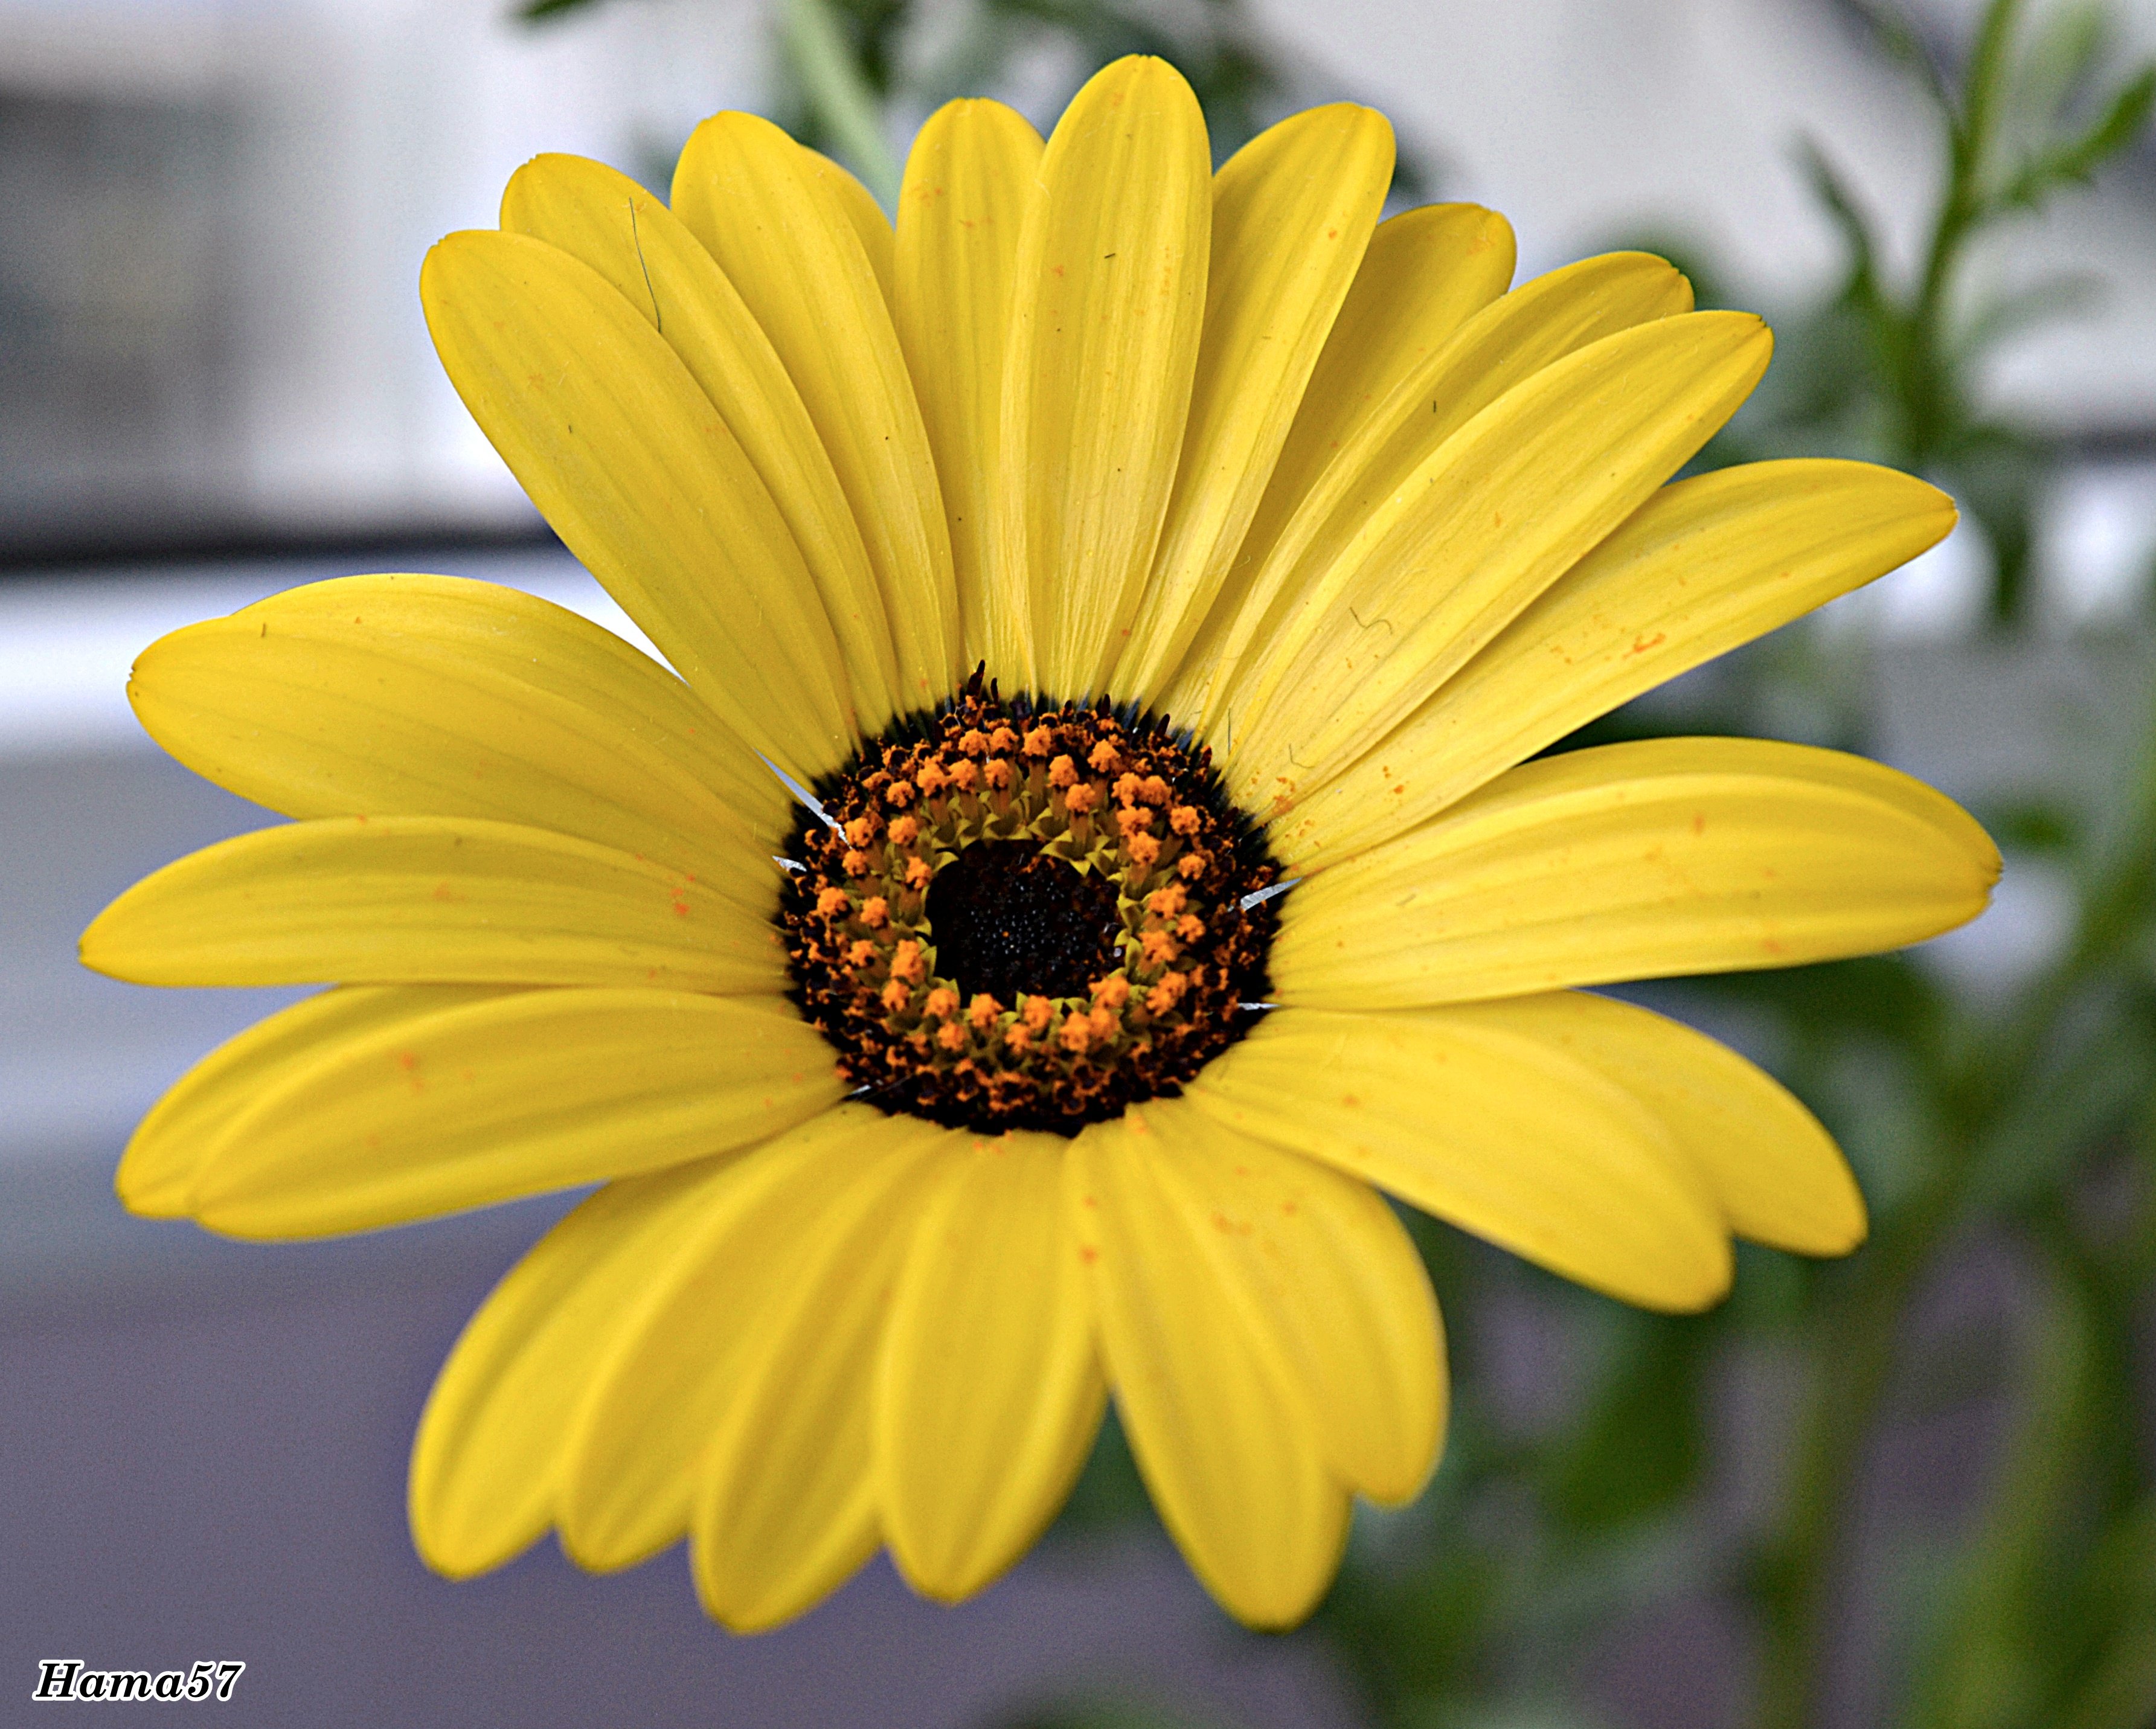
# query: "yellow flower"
1009 1084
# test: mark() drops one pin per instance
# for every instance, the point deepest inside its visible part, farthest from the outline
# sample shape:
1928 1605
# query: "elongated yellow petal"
1332 1290
605 219
1323 497
1224 1440
643 1431
1704 564
1637 861
786 1508
416 695
967 184
486 1462
864 216
431 900
1777 1172
1489 521
1498 1130
1111 296
624 455
988 1390
1292 211
778 221
1427 271
485 1101
168 1145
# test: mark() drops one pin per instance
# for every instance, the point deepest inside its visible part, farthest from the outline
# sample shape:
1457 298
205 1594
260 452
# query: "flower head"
1155 583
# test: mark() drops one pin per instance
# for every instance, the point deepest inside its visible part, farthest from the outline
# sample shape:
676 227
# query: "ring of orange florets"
1117 796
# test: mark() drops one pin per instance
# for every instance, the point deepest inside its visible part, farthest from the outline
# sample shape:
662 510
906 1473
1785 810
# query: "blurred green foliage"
2015 1125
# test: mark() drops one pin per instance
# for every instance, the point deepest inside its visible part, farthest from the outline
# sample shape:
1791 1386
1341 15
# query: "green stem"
840 97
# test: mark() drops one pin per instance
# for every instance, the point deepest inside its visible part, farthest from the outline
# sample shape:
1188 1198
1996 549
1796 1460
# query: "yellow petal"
1778 1174
1459 1111
645 1427
863 215
1330 1288
779 223
967 183
416 695
484 1101
1292 211
1426 272
1324 497
988 1391
433 900
1489 521
1637 861
1111 297
1223 1438
168 1145
1704 564
786 1508
606 220
487 1457
628 460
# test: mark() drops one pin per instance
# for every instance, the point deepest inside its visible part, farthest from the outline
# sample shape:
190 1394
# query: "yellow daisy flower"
1090 852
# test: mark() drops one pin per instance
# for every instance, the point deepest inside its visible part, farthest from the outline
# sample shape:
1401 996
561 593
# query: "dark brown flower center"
1011 914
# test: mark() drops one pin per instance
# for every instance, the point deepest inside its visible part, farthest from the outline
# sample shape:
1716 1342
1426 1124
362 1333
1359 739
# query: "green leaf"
2077 159
1639 1448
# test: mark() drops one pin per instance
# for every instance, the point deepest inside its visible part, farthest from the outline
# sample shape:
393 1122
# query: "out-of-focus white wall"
351 135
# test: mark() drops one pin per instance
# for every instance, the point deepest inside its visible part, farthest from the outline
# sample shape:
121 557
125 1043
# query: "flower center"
1011 914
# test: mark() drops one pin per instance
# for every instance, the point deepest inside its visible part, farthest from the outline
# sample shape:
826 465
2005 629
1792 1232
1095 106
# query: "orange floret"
1081 799
974 742
1113 992
898 792
896 996
1134 821
1105 757
875 910
1144 850
831 901
860 952
1153 790
1037 1012
1039 741
1165 903
1186 819
952 1036
918 871
1192 865
983 1009
906 962
906 830
1063 772
942 1003
1075 1034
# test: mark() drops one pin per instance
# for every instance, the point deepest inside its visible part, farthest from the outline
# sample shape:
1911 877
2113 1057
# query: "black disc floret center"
1014 922
1013 914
